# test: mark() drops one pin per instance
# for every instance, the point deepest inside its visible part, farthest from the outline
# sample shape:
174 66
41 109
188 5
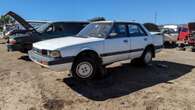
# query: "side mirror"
113 34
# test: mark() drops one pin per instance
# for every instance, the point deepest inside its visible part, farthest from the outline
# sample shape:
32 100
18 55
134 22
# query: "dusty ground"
171 86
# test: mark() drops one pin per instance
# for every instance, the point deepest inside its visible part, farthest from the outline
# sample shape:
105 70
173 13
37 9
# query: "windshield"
42 28
99 30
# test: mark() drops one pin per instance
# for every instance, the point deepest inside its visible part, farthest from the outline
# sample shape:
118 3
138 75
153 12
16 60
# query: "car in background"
23 40
171 26
191 38
183 34
97 45
186 35
170 36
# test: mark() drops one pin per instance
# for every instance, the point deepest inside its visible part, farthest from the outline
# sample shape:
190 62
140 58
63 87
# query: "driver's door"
117 45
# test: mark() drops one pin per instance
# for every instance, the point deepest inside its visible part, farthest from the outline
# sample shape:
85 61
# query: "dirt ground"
167 84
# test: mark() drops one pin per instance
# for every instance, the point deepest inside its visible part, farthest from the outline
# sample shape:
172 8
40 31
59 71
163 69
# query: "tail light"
12 41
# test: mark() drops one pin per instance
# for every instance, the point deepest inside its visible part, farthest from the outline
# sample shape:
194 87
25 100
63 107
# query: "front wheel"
84 69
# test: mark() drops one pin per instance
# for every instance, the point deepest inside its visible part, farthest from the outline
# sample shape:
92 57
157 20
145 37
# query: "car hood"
20 20
58 43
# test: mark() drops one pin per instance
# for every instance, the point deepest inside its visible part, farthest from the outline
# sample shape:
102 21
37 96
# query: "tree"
5 20
97 19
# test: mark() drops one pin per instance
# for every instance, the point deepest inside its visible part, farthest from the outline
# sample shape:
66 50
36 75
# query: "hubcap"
148 57
84 69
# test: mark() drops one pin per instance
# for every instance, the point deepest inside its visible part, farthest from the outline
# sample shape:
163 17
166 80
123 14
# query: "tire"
193 49
85 68
167 44
145 59
147 56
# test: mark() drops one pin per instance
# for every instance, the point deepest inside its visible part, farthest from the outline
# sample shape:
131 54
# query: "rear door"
138 39
117 47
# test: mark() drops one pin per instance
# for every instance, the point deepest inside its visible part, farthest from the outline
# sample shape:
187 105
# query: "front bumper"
56 64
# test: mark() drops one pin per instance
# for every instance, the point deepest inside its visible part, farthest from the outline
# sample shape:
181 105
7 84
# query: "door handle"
125 41
145 39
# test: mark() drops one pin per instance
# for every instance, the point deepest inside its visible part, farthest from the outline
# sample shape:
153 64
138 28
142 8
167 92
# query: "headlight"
54 53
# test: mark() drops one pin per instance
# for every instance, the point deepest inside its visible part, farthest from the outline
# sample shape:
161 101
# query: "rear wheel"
145 59
147 56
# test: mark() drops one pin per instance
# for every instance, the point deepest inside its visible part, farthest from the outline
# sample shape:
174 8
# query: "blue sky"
168 11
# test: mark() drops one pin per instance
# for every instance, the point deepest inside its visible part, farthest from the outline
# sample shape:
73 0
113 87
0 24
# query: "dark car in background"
22 41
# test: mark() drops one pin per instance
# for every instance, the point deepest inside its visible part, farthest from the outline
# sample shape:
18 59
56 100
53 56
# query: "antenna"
155 17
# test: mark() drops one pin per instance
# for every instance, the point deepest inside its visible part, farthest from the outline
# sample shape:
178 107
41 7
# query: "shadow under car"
126 79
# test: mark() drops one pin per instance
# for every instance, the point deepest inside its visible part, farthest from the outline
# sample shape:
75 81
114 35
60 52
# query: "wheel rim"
84 69
148 57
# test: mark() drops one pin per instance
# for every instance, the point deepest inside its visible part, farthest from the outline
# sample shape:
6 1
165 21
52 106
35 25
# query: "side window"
120 30
73 28
135 30
58 28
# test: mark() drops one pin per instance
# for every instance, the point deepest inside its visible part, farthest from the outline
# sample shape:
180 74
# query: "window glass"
120 30
73 28
58 28
43 28
135 30
99 30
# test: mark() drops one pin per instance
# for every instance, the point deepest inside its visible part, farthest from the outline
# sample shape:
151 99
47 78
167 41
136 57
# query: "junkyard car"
187 35
22 41
97 45
170 36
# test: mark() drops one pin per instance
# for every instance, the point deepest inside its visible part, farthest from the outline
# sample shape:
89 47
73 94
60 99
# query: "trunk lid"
20 20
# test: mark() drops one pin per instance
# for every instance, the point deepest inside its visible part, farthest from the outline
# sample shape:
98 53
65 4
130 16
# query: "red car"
187 35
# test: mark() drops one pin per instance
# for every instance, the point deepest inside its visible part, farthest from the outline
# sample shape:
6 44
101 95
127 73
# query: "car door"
138 40
117 45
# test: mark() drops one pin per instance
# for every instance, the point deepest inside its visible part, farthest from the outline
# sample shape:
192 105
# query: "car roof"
116 22
68 22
